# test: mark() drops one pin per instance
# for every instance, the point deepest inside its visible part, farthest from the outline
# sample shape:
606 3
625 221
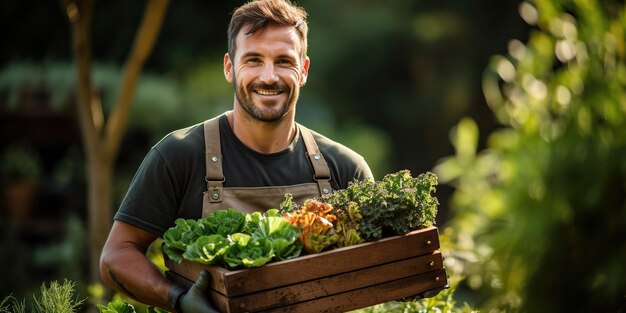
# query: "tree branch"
80 13
144 41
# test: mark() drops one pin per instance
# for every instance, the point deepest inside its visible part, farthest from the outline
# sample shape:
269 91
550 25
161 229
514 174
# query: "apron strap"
321 172
214 174
213 151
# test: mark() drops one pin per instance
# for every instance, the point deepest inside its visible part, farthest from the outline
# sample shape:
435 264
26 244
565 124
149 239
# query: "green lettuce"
256 253
224 222
177 238
248 251
207 249
282 234
285 249
233 239
116 306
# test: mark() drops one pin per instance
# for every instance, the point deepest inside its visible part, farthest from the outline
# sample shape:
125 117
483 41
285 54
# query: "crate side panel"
356 299
333 262
319 288
336 261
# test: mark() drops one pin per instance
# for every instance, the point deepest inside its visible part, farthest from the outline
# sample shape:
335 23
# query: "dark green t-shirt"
170 181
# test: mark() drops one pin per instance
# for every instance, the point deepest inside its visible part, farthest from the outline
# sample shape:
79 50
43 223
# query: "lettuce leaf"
256 253
224 222
282 234
177 238
207 249
248 251
285 249
233 239
116 306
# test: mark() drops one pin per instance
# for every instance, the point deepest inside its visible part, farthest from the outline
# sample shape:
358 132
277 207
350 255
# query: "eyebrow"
251 54
256 54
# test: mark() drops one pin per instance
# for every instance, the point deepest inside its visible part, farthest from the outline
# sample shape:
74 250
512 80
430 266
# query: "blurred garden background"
518 107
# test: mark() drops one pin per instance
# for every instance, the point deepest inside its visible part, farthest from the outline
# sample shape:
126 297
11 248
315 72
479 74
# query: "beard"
268 111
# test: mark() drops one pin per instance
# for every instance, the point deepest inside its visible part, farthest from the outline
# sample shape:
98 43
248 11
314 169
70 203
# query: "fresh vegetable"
315 221
224 222
283 235
116 306
233 239
347 225
365 211
121 306
395 205
248 251
179 237
207 249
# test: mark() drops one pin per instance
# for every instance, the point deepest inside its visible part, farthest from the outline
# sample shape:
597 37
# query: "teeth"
268 92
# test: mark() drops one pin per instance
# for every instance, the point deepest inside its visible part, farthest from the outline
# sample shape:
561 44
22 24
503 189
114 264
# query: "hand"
195 299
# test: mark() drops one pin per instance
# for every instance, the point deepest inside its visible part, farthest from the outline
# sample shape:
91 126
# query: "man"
247 158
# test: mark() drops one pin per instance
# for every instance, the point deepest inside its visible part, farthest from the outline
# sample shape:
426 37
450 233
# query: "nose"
268 74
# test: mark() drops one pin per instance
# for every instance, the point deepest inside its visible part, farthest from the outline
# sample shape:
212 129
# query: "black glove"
195 299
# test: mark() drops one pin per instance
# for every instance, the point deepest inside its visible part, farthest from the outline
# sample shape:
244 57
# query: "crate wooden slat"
367 296
337 283
391 268
340 260
346 301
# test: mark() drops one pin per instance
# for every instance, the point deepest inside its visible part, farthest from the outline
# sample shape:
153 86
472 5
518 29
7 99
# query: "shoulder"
333 148
346 163
181 141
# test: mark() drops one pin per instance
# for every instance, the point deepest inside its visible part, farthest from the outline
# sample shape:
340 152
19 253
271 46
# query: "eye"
253 61
285 62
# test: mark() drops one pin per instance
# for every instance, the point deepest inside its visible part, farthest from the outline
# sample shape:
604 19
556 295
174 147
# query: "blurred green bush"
542 210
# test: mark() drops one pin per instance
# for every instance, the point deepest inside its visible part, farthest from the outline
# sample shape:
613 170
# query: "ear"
228 68
304 72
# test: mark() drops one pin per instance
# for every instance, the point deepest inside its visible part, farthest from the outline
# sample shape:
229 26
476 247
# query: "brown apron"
251 199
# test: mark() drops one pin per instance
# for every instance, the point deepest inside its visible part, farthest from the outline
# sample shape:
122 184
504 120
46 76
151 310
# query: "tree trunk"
101 139
100 202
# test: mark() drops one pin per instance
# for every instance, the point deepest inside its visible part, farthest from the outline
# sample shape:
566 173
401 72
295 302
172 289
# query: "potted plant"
20 172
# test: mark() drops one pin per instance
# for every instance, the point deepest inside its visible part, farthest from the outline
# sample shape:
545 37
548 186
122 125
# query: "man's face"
267 71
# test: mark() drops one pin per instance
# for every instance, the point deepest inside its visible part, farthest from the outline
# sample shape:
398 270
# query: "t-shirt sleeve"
150 202
345 164
362 170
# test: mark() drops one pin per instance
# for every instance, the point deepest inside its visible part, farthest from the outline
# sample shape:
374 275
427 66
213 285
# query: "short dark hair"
260 13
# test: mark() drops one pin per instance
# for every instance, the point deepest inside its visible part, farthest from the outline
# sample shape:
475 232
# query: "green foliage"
248 251
68 256
394 205
158 106
20 164
120 306
207 249
182 235
11 305
282 235
224 222
233 239
54 298
547 199
57 298
116 306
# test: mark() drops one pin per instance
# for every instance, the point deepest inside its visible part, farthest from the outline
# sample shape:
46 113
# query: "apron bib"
257 199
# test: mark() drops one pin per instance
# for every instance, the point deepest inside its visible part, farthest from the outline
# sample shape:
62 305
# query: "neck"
261 136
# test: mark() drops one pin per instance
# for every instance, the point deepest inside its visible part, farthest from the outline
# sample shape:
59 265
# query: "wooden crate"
338 280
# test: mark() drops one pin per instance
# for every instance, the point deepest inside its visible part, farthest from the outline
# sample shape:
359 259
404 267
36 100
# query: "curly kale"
397 204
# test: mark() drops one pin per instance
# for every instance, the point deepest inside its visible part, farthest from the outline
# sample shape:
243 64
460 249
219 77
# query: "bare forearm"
125 267
130 272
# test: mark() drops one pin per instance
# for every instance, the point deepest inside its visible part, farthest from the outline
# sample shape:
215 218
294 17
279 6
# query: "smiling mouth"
264 92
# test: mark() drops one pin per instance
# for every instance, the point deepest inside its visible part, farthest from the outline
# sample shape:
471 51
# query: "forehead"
282 39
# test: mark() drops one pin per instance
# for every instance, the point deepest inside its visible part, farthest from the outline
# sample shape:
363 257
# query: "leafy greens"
233 239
